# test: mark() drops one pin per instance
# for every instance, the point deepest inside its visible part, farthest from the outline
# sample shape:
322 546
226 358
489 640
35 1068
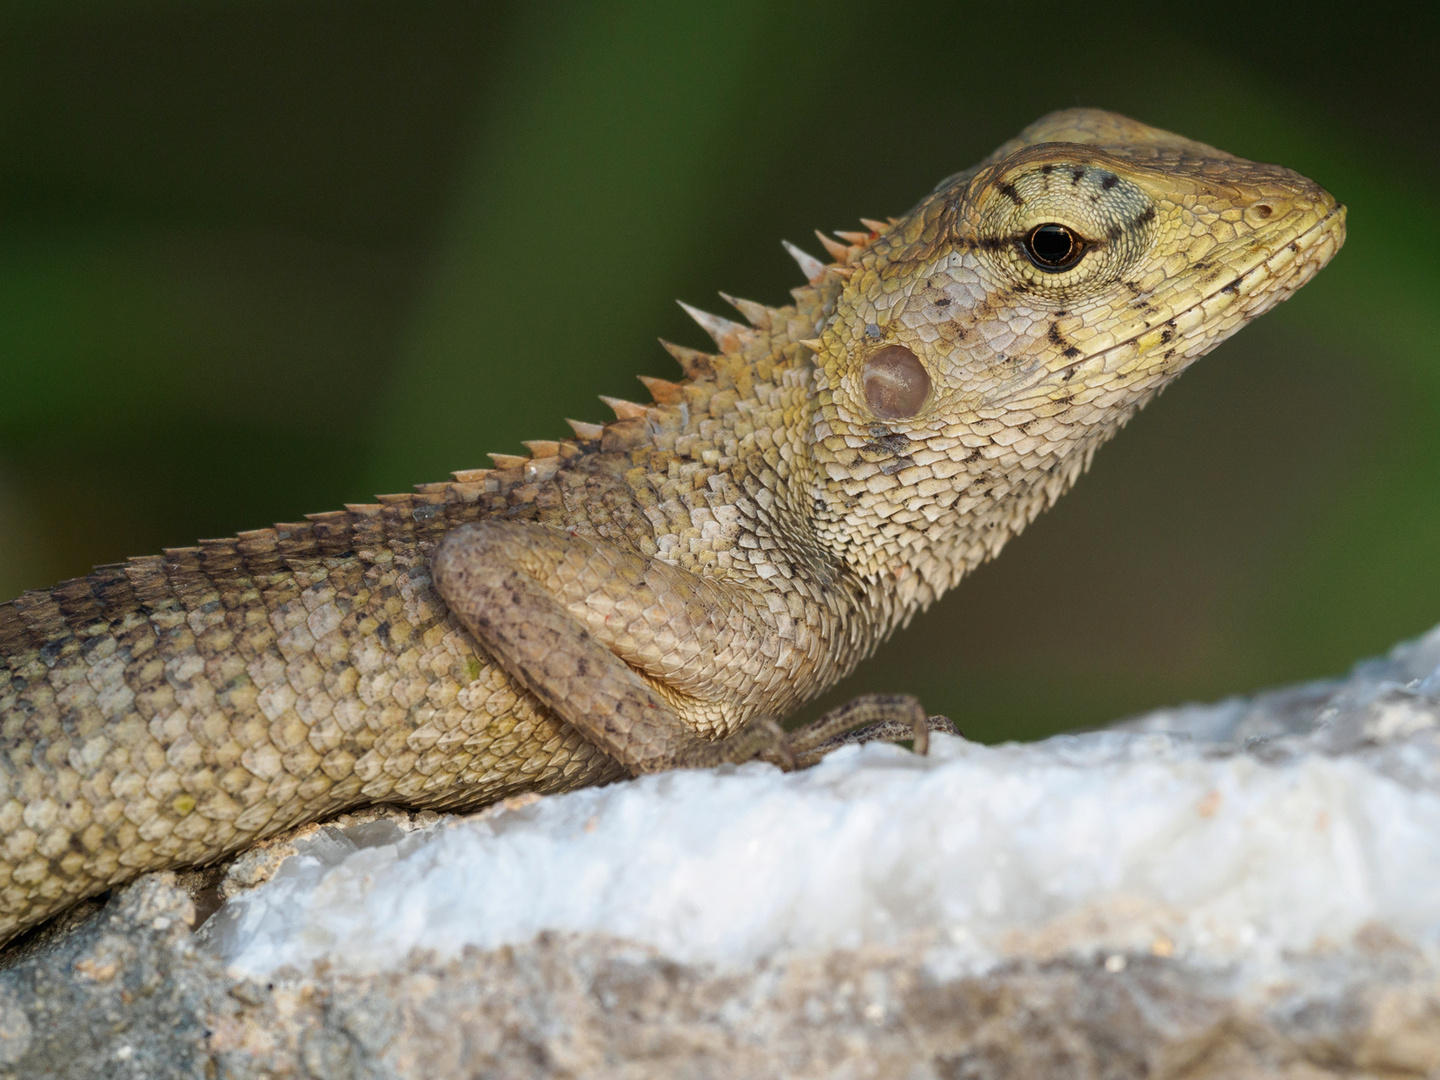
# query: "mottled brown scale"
649 593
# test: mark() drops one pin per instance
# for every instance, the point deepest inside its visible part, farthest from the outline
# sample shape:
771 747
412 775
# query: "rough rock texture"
130 991
128 999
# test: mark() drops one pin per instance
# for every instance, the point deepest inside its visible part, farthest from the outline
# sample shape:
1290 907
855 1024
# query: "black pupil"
1052 245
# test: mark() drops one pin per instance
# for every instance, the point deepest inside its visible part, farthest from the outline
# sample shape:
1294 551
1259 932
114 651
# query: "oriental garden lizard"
657 591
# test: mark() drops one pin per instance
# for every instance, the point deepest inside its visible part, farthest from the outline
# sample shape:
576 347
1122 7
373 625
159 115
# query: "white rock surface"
1240 834
1231 892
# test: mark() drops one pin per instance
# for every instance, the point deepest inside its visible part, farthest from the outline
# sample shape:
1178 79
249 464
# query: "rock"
1244 889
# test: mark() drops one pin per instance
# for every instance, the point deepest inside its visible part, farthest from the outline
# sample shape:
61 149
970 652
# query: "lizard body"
635 598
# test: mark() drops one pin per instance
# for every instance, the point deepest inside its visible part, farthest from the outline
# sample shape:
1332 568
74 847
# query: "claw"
871 718
779 744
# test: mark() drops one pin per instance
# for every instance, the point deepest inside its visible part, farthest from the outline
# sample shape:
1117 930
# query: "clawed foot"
869 718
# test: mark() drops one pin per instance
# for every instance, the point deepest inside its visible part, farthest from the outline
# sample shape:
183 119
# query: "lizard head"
988 342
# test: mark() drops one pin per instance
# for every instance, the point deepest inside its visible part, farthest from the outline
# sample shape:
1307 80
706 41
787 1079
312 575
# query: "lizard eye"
1054 248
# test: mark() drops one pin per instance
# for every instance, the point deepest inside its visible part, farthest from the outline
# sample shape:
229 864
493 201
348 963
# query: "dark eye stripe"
1020 240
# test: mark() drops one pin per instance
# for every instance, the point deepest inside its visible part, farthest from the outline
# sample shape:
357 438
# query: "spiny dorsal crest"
53 615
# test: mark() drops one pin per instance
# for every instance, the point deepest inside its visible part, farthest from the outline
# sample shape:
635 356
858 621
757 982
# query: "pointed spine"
585 430
471 476
757 315
663 391
811 267
625 410
730 336
695 364
838 251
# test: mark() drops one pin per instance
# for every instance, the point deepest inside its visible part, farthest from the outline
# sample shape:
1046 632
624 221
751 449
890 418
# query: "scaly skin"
632 599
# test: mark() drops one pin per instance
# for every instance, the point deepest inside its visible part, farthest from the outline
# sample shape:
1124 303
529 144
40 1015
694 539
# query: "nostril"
1263 210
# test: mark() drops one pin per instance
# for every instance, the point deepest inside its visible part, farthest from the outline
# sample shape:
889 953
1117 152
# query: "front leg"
650 662
572 619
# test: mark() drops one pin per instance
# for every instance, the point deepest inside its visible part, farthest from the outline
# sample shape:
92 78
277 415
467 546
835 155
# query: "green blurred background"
262 258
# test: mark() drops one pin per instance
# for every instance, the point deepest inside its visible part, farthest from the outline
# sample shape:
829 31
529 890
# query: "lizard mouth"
1299 270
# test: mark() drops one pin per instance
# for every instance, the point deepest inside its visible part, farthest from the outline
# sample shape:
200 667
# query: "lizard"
659 590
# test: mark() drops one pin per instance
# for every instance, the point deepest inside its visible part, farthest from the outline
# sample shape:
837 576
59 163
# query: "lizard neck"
910 508
895 520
